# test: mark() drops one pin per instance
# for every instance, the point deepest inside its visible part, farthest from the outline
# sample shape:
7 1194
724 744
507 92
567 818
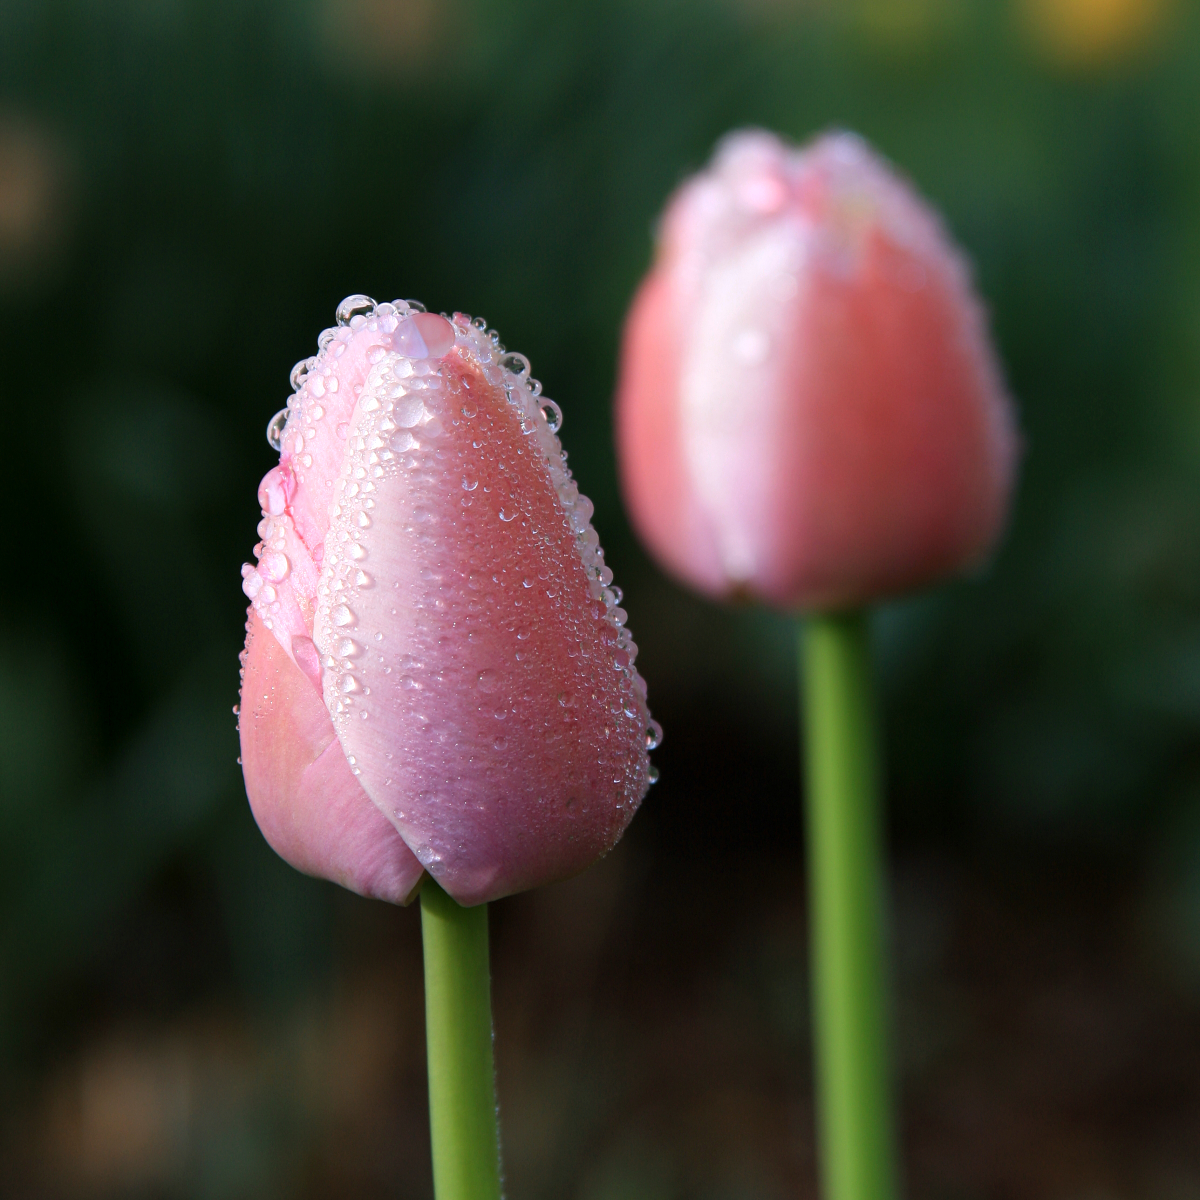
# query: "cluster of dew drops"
539 415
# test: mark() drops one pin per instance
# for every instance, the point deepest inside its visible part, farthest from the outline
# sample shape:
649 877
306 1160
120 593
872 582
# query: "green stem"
845 847
458 1030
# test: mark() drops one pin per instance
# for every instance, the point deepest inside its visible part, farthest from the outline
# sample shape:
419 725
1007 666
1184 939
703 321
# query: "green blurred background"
186 191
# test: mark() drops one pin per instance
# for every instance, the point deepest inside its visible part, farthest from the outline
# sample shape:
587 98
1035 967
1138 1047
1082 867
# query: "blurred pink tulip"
437 676
808 408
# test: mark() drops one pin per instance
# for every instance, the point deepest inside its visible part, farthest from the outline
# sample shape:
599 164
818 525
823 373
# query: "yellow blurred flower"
1092 33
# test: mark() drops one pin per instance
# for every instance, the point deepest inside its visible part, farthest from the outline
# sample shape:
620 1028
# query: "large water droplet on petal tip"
354 306
299 371
275 429
553 415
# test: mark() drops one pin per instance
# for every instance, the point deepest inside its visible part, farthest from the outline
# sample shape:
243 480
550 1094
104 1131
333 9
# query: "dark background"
186 191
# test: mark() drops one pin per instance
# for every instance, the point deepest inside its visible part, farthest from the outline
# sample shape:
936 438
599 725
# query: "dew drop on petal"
436 332
354 306
299 371
272 494
342 616
252 582
275 429
553 415
517 364
274 566
654 735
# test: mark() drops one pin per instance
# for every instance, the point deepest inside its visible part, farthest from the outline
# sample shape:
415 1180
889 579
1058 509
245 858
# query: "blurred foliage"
187 190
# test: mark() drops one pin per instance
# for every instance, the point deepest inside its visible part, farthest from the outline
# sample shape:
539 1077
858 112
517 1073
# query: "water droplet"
274 566
652 774
508 514
348 647
272 495
654 735
375 354
252 582
486 680
517 364
553 415
342 616
362 580
317 413
409 411
354 306
469 485
415 305
275 429
350 684
362 520
357 552
299 371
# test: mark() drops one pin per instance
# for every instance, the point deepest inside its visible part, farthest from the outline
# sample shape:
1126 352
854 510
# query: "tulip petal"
429 566
808 408
480 684
309 806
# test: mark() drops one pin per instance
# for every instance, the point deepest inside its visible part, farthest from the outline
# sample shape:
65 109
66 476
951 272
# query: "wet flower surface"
429 573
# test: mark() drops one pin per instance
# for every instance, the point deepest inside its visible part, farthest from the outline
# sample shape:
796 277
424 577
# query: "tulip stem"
458 1030
845 849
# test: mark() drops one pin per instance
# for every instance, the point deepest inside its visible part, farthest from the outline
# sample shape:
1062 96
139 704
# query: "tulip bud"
808 409
437 673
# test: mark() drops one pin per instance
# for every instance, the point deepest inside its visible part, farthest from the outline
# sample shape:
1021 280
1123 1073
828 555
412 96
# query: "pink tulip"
808 408
437 676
